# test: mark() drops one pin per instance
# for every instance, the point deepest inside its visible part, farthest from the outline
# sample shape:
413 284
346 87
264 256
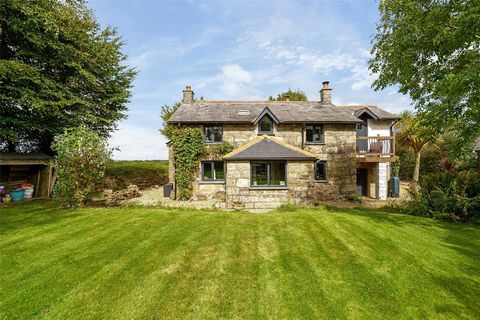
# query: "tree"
166 113
291 95
80 163
431 49
416 136
58 69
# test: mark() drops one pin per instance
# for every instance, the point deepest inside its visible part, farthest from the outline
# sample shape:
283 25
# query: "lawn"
151 263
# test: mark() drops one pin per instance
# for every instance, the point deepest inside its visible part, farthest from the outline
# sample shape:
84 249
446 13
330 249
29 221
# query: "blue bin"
17 195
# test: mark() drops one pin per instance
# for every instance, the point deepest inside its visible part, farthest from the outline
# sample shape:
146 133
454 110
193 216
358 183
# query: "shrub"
453 195
80 163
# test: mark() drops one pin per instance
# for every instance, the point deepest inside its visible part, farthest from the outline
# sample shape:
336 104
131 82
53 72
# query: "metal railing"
376 146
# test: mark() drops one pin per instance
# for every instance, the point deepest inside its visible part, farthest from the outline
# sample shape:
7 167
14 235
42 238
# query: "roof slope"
268 148
379 113
248 111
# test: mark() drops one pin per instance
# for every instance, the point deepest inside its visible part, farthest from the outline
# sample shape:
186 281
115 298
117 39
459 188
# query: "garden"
156 263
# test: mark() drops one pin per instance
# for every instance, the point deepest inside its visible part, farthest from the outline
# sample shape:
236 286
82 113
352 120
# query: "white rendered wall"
379 127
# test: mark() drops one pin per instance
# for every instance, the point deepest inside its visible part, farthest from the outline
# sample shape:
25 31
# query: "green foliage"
80 163
187 144
58 70
452 194
217 151
434 157
396 168
431 49
296 95
355 198
415 135
166 113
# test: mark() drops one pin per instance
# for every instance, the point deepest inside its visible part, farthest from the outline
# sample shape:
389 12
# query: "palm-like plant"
416 136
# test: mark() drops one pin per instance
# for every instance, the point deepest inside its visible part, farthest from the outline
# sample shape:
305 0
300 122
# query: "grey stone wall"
241 196
338 150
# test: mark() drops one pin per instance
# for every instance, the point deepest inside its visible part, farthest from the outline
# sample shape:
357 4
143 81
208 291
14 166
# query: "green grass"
141 173
151 263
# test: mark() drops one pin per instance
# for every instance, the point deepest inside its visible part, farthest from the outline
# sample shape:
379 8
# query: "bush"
80 163
453 195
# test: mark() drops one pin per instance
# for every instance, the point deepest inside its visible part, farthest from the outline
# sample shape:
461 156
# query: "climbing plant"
217 151
187 146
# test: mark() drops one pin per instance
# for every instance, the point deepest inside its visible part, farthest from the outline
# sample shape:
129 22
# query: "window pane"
309 133
278 173
259 174
265 124
213 134
218 170
208 134
217 134
207 171
321 170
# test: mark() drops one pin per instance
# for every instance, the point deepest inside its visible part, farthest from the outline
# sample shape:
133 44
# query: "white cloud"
138 143
235 73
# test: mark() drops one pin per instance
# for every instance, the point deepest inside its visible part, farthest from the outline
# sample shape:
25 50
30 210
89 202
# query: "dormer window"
265 125
213 134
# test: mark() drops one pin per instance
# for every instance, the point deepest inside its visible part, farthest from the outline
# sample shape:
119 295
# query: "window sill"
212 182
321 181
267 134
268 188
210 143
314 143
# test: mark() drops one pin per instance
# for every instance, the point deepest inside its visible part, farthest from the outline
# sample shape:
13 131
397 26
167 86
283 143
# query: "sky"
228 50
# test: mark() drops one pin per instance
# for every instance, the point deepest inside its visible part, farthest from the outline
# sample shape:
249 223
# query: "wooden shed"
34 168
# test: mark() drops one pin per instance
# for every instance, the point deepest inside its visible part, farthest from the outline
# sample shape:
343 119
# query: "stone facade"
240 195
338 150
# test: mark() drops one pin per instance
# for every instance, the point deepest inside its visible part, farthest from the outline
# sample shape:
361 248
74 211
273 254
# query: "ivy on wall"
187 146
188 149
217 151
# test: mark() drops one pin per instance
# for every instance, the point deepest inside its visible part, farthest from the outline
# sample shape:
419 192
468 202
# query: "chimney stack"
188 95
326 93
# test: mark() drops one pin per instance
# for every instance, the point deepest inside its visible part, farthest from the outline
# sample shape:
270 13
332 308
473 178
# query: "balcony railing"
376 146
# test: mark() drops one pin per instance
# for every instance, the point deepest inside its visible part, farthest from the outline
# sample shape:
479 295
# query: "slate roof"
379 113
268 148
248 111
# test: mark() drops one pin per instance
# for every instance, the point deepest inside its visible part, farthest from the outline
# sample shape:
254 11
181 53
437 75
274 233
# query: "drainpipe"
303 136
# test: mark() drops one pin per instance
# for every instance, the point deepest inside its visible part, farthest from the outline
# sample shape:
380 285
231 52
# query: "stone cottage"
298 152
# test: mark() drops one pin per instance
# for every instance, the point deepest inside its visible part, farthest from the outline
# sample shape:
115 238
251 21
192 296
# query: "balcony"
376 149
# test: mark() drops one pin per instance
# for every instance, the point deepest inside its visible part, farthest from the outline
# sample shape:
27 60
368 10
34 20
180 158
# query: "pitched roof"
380 114
248 111
268 148
477 145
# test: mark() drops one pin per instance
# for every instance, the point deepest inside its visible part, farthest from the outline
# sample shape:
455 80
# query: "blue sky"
239 50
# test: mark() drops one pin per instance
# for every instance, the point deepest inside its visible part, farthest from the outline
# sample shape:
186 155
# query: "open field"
153 263
142 173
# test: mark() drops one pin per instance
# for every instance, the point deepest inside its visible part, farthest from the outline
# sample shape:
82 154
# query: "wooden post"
379 146
38 182
49 169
